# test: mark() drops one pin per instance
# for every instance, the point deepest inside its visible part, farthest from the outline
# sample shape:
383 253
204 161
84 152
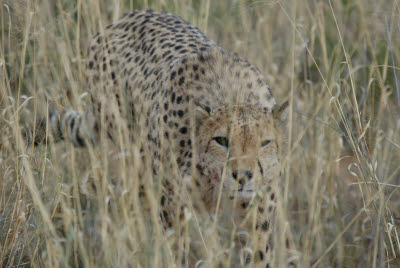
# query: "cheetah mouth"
212 176
243 195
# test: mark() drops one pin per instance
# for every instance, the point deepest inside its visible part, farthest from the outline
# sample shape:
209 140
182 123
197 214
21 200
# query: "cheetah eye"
265 143
222 141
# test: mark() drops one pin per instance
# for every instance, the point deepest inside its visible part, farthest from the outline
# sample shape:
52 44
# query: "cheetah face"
239 150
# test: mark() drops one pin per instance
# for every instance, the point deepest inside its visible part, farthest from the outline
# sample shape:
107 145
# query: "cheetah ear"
281 112
201 113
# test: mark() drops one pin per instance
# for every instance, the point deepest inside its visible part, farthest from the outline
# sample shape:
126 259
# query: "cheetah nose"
242 182
249 174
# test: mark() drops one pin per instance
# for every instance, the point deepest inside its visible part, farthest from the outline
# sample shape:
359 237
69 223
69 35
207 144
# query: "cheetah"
212 109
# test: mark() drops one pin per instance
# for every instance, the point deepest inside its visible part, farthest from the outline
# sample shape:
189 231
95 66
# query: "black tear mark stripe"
261 169
208 145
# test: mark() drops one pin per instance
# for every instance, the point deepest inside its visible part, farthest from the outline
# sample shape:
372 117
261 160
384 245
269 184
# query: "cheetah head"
238 148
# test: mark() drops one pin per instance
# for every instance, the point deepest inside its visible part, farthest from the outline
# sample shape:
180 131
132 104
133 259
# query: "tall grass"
337 63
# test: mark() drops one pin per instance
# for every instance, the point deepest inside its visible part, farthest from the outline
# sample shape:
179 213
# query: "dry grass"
334 60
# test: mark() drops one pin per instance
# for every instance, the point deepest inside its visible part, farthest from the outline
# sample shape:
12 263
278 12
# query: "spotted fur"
192 97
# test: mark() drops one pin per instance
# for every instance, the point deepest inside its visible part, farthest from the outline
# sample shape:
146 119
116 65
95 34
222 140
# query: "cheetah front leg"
172 214
262 251
259 230
263 229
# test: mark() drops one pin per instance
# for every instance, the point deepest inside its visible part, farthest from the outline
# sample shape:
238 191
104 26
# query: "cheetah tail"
71 125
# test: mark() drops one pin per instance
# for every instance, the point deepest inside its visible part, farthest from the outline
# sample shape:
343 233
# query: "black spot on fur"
173 75
248 259
165 215
183 130
265 226
260 255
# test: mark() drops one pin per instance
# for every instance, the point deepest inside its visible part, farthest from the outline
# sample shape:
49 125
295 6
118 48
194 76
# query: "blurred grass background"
336 61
